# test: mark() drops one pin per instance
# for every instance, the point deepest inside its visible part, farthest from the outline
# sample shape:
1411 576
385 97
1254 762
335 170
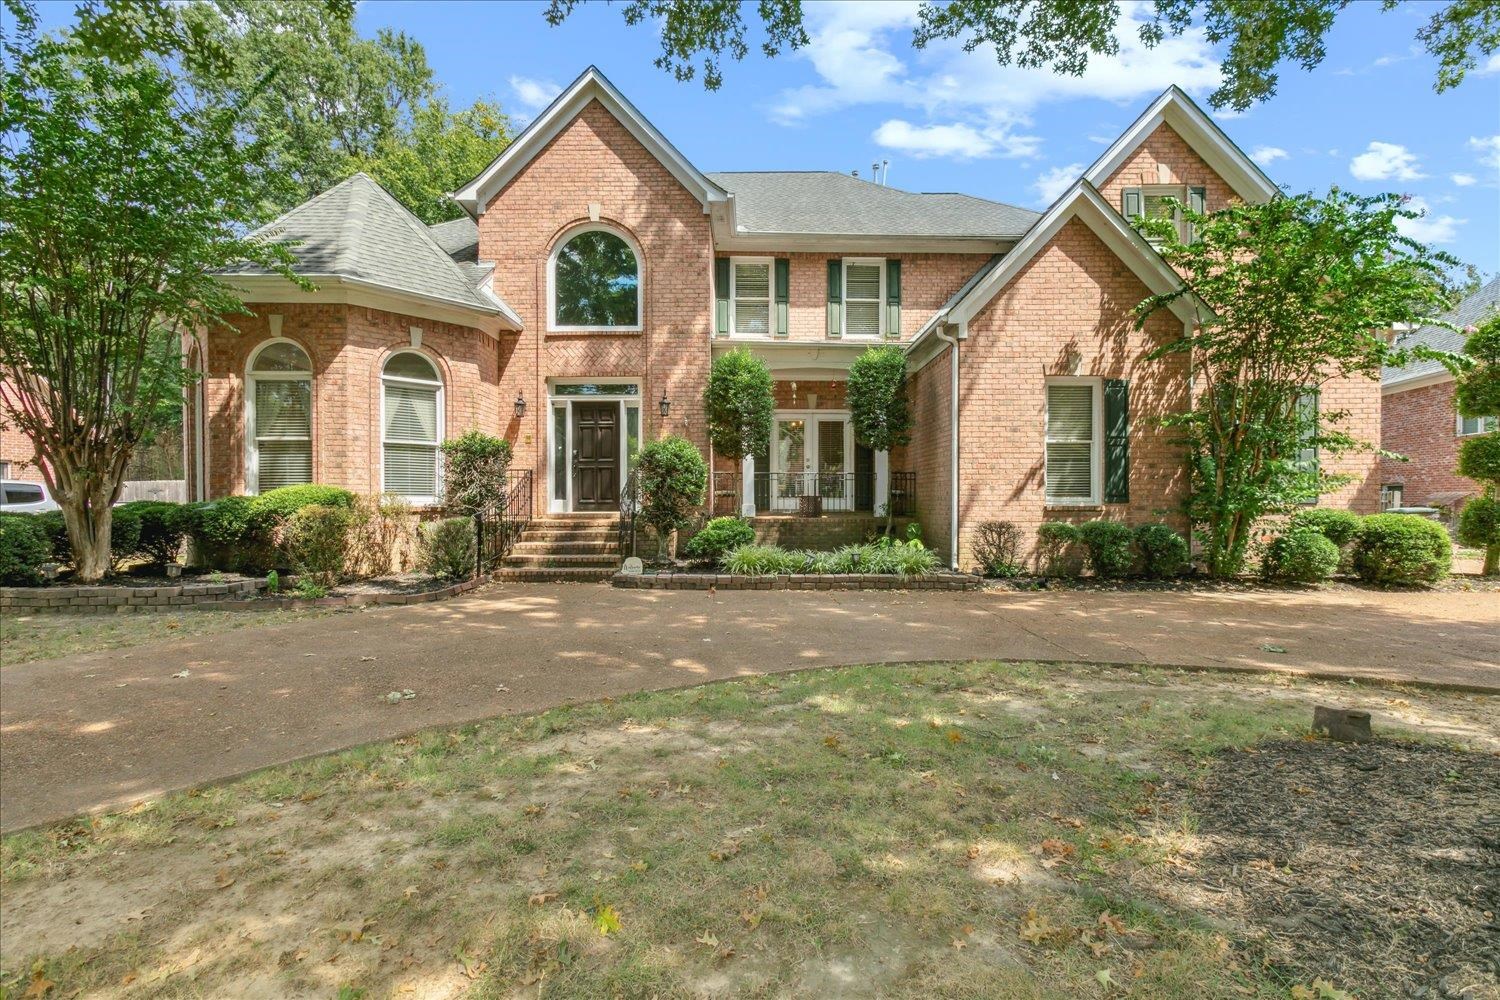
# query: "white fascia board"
1415 382
1202 134
333 288
591 85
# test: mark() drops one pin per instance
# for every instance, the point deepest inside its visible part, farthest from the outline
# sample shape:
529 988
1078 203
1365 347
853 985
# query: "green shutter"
893 298
721 296
1197 200
782 294
1130 203
1116 441
835 298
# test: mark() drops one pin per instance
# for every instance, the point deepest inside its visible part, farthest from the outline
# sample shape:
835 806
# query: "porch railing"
630 507
497 527
836 492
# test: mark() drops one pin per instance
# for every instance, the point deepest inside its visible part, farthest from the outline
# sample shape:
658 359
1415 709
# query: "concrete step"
569 535
567 546
553 575
552 560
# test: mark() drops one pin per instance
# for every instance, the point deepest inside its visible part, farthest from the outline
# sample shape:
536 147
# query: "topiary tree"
739 404
877 402
672 478
474 467
1477 394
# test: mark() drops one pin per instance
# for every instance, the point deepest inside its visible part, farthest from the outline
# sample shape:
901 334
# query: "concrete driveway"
106 729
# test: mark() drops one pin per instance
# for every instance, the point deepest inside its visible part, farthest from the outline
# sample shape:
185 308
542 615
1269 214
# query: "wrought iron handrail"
837 492
497 526
630 508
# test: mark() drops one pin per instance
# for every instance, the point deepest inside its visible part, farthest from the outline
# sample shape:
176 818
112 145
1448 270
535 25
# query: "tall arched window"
279 402
596 282
412 426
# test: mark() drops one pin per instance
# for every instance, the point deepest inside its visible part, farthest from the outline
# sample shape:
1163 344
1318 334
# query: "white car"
18 497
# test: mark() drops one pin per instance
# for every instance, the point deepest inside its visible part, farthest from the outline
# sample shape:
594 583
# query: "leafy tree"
1477 394
1064 34
121 194
440 152
877 401
671 476
1297 291
598 283
739 404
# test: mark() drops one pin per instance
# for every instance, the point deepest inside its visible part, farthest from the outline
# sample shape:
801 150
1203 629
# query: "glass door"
833 485
790 467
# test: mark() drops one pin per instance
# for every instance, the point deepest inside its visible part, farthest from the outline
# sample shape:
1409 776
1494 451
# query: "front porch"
746 492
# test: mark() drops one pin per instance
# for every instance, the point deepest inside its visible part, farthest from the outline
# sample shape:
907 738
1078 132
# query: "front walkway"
104 729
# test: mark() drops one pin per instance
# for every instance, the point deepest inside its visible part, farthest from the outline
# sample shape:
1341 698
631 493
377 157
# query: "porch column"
882 481
747 486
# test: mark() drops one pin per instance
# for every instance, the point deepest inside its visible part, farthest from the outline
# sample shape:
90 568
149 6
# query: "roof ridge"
352 227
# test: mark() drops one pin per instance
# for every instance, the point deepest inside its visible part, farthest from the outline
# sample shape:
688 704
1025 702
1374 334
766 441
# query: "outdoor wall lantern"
666 405
520 406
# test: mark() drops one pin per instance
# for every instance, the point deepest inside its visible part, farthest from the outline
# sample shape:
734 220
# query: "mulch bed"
1374 866
398 583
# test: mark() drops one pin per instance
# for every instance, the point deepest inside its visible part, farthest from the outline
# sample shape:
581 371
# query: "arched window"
279 401
412 426
596 282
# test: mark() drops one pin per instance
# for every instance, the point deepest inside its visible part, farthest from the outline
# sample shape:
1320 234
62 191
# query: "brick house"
577 309
1419 421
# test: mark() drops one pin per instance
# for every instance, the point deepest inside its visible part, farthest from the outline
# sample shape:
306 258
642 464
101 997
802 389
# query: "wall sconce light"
665 404
520 406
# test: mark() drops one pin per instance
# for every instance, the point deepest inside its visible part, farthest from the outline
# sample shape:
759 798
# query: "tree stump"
1345 725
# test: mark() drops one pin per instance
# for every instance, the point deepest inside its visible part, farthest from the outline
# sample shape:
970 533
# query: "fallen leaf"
223 879
540 898
831 742
707 939
954 736
181 673
1270 648
39 984
1105 979
606 920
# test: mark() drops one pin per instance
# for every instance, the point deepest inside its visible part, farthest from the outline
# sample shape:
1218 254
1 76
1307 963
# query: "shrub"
164 527
56 529
449 548
1479 526
1107 544
1300 555
222 523
1163 552
124 535
1338 526
273 582
1479 458
719 536
274 506
23 549
995 547
474 467
1058 549
1401 548
909 558
382 536
316 541
738 404
671 477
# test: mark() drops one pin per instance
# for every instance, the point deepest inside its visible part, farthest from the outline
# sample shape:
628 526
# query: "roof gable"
1176 109
591 85
1473 310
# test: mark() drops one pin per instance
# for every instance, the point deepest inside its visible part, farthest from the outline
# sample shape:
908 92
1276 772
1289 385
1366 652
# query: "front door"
596 456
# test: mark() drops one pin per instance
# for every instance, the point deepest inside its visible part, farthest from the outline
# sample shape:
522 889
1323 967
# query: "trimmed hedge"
1338 526
1301 555
1107 545
1163 552
1401 549
164 527
718 537
23 549
883 557
284 501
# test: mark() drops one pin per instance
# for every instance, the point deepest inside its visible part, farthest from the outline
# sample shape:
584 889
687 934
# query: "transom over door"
596 456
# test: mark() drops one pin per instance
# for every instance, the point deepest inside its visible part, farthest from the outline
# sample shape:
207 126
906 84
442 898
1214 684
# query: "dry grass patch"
24 638
943 830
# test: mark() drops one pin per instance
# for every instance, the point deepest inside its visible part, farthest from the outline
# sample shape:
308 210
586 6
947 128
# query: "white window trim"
879 262
734 297
640 280
625 400
442 416
1179 191
1459 426
252 448
1096 450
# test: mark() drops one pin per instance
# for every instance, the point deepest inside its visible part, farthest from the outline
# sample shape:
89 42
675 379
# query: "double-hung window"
412 408
1469 426
1073 441
750 296
864 297
280 417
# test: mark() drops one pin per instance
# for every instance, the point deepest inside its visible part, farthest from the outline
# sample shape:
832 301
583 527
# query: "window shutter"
1116 441
835 298
1197 200
721 296
1130 203
893 298
783 293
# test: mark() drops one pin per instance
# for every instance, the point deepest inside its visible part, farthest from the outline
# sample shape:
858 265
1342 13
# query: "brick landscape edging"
185 597
796 581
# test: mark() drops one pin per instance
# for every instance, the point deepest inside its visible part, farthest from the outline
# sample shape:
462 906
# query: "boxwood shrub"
163 528
281 503
1163 552
1107 546
1300 555
23 549
718 537
1058 550
1338 526
1401 549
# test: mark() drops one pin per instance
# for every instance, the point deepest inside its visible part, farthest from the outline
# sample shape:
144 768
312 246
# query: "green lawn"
928 831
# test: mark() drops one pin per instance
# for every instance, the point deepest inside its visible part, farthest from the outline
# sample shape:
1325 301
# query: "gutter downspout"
953 449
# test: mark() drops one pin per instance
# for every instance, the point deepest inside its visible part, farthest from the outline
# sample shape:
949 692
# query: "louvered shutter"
1070 436
835 298
1197 202
283 433
1116 441
721 296
893 298
1130 203
783 294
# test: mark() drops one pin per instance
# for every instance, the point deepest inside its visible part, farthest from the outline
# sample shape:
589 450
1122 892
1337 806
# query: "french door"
810 456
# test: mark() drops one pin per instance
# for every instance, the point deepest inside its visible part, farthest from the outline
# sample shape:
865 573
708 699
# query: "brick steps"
554 575
564 548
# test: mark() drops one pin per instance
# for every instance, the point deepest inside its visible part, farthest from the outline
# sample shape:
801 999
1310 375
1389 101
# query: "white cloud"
1103 140
1463 180
1488 149
959 141
1429 228
1052 183
533 95
1267 155
1386 161
1490 67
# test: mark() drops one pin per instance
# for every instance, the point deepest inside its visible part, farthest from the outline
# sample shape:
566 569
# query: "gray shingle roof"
1469 312
356 229
459 238
827 203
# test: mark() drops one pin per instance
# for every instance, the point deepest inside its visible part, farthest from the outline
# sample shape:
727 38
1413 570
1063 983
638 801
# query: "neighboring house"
1419 421
18 458
577 311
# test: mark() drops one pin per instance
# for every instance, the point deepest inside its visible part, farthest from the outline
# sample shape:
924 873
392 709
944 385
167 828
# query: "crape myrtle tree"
876 395
1477 394
1292 294
120 195
739 403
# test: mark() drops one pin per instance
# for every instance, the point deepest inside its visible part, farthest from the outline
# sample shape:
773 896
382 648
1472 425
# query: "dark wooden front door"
596 456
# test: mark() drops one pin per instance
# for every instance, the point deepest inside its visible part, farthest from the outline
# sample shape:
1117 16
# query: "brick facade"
1165 150
1422 425
17 455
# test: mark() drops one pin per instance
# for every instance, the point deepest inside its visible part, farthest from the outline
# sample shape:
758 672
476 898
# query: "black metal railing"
630 507
497 526
827 492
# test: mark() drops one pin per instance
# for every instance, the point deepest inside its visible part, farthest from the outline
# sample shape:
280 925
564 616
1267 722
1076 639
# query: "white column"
882 481
747 486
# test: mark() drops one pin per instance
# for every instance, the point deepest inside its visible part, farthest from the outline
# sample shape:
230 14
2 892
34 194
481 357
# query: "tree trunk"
1491 559
89 524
